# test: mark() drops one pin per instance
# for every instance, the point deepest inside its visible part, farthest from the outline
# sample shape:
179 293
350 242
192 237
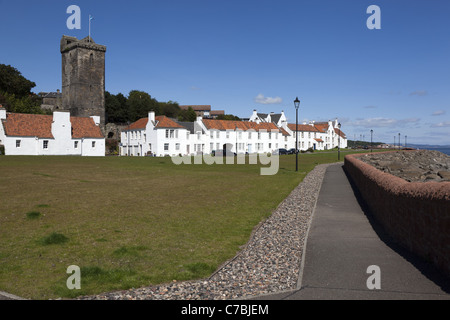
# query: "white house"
264 133
57 134
279 119
162 136
157 135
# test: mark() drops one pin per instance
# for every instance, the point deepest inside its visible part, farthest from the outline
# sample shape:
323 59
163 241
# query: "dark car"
291 151
221 153
280 151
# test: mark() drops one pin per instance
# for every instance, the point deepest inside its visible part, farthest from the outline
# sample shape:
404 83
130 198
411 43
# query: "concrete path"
344 241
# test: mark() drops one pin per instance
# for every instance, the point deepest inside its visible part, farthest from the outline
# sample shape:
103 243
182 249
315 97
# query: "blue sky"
259 54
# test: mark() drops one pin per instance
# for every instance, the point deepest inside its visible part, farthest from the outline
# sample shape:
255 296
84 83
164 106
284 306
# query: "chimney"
2 113
96 120
151 116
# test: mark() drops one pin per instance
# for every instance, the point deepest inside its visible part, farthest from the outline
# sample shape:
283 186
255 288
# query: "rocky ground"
413 166
269 263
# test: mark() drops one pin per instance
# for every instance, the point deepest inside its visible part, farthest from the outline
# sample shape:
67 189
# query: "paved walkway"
344 241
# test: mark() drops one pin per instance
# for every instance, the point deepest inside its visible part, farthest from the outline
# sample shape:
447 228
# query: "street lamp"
405 141
371 136
297 105
339 141
399 141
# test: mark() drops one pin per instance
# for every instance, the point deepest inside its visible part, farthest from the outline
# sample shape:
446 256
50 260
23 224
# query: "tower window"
91 59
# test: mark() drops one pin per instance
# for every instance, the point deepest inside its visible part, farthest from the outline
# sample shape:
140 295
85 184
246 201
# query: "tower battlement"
83 77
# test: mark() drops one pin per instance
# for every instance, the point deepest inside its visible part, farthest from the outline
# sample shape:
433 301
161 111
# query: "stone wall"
83 77
416 214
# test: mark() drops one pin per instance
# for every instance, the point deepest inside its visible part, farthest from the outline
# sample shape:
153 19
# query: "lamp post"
399 141
297 105
405 141
339 141
371 136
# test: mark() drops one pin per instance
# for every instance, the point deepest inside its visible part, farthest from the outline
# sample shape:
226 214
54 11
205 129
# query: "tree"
188 115
15 92
12 82
116 108
169 109
139 103
228 117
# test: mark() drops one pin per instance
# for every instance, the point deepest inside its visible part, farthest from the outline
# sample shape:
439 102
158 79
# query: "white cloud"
267 100
438 113
380 122
445 124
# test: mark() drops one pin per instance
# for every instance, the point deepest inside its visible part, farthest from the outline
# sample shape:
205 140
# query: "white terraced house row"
263 133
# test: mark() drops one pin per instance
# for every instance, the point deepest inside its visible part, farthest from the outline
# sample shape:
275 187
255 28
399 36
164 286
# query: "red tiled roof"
84 127
284 132
240 125
164 122
302 127
318 140
28 125
140 124
321 126
37 125
339 132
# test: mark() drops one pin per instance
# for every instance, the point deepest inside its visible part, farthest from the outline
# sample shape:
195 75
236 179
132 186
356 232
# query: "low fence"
416 214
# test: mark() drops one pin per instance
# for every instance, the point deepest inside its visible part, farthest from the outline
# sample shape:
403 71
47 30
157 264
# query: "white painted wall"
61 144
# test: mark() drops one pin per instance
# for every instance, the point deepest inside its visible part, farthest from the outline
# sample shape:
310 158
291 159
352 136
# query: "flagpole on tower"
90 18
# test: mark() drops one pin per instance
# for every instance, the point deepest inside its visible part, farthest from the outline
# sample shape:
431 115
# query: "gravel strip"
269 263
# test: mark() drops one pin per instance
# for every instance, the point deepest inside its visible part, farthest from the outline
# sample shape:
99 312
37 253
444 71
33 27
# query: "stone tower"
83 77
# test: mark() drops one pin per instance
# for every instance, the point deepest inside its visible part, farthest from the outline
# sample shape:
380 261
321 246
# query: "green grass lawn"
128 221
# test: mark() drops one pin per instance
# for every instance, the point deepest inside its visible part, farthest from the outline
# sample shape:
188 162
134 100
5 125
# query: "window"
211 146
228 135
171 133
177 146
45 144
217 134
18 143
259 135
75 144
166 147
187 135
167 133
249 135
93 144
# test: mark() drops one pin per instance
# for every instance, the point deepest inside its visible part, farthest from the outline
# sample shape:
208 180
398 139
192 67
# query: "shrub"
54 238
33 214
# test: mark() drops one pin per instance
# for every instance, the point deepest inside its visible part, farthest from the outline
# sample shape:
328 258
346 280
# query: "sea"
445 150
